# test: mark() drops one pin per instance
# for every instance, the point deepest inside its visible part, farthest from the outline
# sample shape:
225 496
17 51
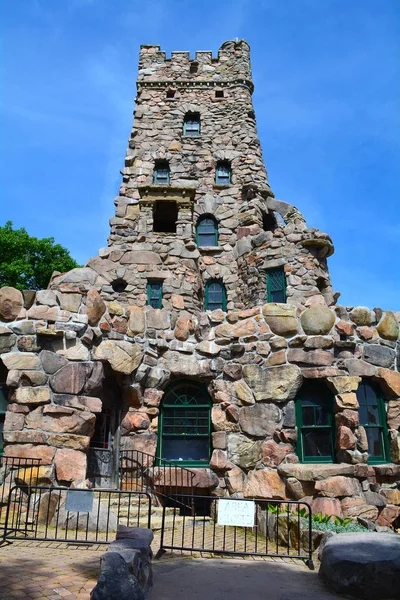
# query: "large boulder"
388 327
11 302
260 420
281 318
123 357
100 518
276 383
115 581
317 320
363 565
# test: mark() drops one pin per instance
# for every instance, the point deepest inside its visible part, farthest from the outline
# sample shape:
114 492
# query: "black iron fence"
76 516
14 470
258 527
144 472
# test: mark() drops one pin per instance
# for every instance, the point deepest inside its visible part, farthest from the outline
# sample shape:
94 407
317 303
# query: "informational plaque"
239 513
79 501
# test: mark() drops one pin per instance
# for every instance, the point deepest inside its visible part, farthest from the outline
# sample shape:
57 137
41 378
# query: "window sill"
210 248
221 186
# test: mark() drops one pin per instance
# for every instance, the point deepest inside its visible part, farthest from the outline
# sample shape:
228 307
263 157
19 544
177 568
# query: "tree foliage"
26 262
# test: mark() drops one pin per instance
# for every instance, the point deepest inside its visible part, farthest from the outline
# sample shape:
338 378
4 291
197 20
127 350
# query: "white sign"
236 512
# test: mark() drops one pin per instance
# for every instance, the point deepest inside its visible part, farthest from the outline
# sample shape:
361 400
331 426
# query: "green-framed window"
372 415
215 295
161 172
315 423
276 285
207 231
185 425
223 173
3 402
191 125
154 293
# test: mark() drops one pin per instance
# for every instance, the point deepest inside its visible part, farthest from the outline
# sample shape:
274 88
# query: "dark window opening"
185 425
154 293
322 284
165 216
276 285
215 295
207 231
373 418
102 430
170 93
194 67
3 402
219 93
119 285
161 172
314 419
191 125
269 222
223 173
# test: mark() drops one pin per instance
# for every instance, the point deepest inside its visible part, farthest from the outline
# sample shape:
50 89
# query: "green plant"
342 522
301 512
320 518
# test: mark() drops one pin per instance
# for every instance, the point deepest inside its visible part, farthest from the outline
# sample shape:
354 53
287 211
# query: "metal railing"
281 529
15 471
141 471
76 516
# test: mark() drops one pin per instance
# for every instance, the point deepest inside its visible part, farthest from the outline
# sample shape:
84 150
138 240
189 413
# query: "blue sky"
327 92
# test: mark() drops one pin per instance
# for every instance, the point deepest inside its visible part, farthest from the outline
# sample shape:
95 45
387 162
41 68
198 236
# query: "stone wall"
253 362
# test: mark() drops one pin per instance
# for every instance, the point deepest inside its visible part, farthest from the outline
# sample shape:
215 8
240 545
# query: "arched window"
215 295
207 231
191 125
223 173
314 418
3 401
373 419
161 172
185 425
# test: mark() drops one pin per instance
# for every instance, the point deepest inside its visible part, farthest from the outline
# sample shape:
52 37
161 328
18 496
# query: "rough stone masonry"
92 345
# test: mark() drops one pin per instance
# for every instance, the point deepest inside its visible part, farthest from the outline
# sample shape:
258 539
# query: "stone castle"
207 332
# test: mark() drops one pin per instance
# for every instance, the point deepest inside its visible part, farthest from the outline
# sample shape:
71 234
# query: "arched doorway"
103 453
185 425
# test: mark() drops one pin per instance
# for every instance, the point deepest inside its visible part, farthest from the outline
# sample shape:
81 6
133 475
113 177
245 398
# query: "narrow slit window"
154 294
170 94
3 402
373 419
207 231
191 125
215 295
223 173
219 93
276 285
161 172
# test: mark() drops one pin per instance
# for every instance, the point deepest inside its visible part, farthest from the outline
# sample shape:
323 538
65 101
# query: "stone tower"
153 234
207 331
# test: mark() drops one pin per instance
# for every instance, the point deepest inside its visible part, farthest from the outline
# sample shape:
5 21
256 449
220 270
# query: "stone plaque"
240 513
79 501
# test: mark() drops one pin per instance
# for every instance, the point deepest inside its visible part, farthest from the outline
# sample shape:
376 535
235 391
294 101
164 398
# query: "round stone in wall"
317 320
281 318
11 302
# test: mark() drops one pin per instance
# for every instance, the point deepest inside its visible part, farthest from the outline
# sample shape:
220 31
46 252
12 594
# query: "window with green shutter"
154 293
215 295
161 172
185 425
207 231
315 423
372 415
191 125
276 285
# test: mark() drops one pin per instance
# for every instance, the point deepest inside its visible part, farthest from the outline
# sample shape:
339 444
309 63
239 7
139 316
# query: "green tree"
26 262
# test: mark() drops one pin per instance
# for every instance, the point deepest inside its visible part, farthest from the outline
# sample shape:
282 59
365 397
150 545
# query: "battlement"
231 64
